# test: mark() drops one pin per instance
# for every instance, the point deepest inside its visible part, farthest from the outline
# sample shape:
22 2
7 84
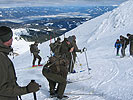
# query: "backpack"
31 48
55 47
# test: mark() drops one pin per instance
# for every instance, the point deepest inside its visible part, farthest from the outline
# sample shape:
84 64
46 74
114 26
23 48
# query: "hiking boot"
117 55
34 66
61 97
40 65
52 95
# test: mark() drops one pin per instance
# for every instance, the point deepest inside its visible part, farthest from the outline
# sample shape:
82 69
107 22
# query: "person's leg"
34 59
117 51
123 52
58 79
52 86
61 88
39 61
131 48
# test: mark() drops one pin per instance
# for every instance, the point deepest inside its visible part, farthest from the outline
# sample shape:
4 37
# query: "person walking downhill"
72 39
34 49
117 46
9 89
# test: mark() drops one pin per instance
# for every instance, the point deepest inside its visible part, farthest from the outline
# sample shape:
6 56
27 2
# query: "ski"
68 98
30 67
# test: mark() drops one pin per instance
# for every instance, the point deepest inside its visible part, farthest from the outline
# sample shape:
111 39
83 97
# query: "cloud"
58 2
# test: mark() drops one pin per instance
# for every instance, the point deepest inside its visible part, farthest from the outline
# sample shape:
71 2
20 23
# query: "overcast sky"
58 2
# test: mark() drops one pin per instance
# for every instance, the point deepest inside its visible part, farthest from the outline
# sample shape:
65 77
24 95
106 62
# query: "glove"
84 49
80 51
33 87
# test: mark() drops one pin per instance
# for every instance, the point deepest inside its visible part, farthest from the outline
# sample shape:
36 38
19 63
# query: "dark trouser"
131 49
36 56
123 51
117 53
53 79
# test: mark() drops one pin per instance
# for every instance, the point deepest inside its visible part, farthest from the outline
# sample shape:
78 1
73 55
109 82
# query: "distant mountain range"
49 21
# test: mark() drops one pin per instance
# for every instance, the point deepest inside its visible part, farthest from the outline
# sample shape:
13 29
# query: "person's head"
121 37
117 40
74 37
128 35
6 35
36 43
58 39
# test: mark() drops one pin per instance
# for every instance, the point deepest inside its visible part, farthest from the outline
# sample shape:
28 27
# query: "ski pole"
72 63
84 50
79 61
34 93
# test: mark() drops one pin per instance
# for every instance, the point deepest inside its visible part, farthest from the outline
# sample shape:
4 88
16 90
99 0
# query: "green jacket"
9 90
34 49
75 48
64 50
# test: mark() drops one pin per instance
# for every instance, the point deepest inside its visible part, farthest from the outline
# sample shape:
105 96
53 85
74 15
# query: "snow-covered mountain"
111 76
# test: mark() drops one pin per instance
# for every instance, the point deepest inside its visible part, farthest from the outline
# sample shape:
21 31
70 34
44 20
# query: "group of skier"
59 64
62 60
122 43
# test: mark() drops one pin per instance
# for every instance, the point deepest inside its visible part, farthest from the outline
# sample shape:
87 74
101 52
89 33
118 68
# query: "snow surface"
111 76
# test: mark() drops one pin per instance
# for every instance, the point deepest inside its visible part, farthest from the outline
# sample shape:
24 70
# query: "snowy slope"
111 76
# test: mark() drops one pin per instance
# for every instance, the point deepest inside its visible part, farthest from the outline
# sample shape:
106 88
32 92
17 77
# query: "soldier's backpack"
54 47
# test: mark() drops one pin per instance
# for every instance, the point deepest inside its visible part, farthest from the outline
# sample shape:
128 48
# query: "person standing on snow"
9 89
72 39
117 46
130 37
34 49
124 41
66 51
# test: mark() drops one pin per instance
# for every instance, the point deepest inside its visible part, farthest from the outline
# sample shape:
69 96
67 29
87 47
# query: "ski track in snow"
114 72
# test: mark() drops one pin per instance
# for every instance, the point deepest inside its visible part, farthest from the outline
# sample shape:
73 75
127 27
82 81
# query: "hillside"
111 76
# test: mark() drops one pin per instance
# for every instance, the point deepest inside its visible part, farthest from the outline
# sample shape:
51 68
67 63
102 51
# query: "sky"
6 3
